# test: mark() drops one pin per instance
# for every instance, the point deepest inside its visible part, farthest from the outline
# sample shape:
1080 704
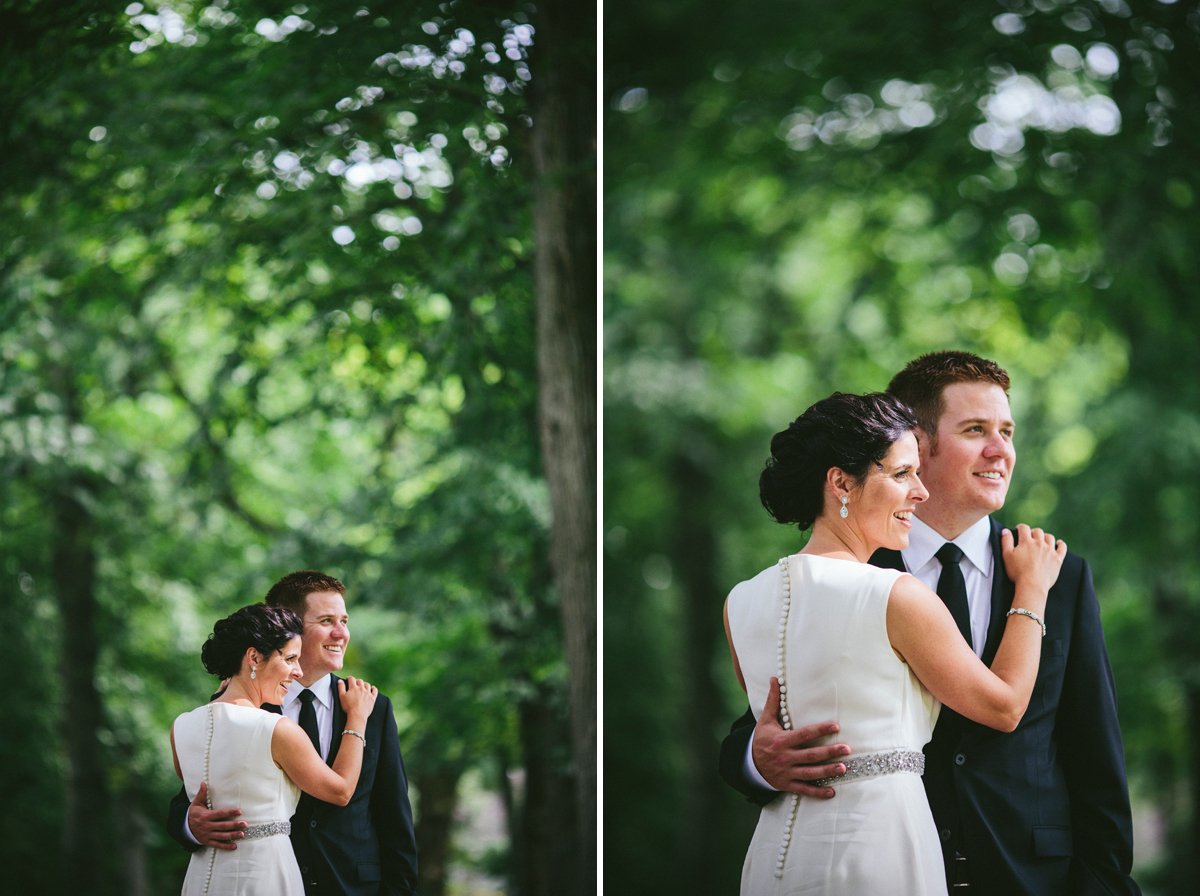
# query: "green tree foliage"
801 200
266 296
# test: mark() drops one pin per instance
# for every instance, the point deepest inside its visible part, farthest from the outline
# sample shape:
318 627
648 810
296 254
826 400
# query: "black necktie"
308 715
952 589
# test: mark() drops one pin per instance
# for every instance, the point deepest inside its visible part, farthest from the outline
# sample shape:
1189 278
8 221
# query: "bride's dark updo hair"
851 432
264 628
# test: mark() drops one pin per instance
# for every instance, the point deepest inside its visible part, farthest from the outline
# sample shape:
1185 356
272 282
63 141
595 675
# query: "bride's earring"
844 512
254 669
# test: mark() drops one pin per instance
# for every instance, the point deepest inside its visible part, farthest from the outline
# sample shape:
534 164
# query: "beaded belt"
266 830
868 765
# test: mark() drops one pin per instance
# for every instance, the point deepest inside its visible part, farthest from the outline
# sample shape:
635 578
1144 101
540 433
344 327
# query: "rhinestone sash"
268 829
870 765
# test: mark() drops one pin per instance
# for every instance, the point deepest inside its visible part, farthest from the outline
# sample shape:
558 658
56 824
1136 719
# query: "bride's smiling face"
881 508
280 669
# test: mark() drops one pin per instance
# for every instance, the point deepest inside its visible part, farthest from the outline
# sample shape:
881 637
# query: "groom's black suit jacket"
1042 810
365 848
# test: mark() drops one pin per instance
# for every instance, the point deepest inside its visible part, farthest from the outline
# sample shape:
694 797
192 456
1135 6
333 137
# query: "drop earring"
254 669
844 512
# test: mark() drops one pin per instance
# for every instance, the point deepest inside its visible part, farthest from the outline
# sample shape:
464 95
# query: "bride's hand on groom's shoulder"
1034 559
357 696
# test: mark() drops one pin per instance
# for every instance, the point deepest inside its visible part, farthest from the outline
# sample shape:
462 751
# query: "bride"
258 760
873 649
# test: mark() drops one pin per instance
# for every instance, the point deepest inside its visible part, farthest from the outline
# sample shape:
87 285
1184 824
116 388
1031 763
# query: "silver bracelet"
356 734
1020 611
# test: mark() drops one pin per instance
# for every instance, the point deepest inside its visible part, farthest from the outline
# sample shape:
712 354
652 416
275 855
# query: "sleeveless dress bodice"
877 834
229 747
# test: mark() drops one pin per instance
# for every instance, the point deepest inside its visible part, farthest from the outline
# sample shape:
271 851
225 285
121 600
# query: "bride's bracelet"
1020 611
356 734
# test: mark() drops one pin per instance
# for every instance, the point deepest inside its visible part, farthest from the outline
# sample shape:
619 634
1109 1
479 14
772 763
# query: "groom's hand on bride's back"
217 828
787 759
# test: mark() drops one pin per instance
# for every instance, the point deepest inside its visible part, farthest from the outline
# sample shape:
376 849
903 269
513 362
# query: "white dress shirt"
976 565
919 558
323 698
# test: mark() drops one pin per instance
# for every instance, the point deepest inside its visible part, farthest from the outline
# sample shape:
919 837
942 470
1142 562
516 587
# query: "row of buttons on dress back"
781 669
212 852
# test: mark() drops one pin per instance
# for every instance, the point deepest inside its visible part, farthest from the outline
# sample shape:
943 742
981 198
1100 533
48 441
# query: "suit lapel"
1003 590
885 558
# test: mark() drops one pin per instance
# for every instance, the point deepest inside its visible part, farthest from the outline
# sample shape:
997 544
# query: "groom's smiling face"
968 469
326 634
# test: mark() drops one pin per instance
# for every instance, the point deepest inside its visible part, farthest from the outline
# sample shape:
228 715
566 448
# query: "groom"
366 848
1042 810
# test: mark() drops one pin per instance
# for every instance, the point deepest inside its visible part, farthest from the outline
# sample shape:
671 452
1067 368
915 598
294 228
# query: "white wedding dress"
229 746
823 623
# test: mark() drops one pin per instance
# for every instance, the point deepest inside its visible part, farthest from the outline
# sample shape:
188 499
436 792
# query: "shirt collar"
924 542
322 692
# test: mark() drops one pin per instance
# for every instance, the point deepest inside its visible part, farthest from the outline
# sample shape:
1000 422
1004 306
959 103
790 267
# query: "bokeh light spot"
1102 61
1009 23
1011 269
1066 56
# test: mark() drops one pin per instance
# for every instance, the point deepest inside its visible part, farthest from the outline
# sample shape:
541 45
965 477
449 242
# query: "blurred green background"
267 302
801 197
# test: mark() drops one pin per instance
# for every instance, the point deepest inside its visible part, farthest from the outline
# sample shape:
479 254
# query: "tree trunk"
438 791
564 217
1179 619
131 844
1190 854
694 553
549 839
74 560
512 819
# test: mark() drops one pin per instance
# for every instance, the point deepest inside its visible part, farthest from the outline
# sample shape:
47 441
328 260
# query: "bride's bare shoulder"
908 590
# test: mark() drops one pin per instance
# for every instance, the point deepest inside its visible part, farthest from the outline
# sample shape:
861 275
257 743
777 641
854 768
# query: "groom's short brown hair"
292 590
922 383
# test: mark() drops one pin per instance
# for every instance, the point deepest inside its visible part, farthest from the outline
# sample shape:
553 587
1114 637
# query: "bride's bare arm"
174 755
294 752
737 667
924 633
